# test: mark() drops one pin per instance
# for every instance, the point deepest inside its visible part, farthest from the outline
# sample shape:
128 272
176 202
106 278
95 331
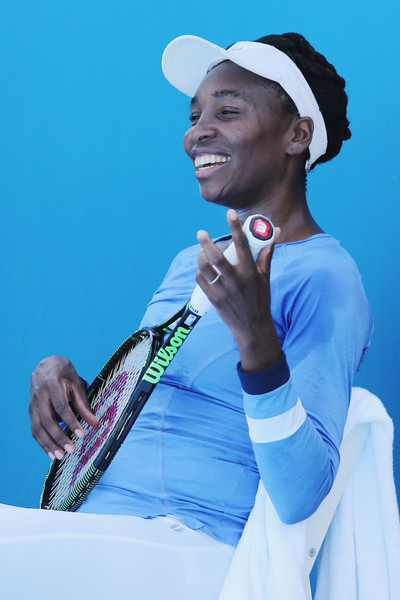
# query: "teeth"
209 160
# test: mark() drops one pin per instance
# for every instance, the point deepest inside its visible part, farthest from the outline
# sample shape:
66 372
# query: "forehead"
227 78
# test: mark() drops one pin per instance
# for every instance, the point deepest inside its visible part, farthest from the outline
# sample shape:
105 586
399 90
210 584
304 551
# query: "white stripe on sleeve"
277 428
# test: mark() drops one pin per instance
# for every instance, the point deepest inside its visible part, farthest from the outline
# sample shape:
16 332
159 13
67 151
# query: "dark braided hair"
326 84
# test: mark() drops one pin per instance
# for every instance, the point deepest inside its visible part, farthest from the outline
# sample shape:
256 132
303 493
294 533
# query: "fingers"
212 260
49 435
206 275
55 389
264 259
205 267
241 295
243 253
81 403
45 428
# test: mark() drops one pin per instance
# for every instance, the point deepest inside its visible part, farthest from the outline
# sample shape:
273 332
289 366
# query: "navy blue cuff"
262 382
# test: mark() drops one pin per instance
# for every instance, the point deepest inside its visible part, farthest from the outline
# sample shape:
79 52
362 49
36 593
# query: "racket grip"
260 232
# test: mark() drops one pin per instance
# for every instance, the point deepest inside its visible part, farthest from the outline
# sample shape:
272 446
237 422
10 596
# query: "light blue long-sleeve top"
206 434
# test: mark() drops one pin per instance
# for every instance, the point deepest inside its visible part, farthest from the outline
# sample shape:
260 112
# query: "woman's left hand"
241 295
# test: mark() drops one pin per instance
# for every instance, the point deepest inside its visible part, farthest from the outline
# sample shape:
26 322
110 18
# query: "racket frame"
160 337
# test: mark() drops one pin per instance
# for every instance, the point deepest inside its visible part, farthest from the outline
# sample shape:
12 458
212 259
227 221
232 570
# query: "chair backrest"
318 523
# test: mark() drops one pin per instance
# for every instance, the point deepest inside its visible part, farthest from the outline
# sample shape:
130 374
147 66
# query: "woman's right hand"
55 388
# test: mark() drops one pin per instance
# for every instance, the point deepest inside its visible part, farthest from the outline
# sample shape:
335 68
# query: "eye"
194 117
228 112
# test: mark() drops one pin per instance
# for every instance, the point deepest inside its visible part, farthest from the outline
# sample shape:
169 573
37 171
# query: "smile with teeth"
206 161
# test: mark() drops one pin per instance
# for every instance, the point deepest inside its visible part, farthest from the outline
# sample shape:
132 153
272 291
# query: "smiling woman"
288 332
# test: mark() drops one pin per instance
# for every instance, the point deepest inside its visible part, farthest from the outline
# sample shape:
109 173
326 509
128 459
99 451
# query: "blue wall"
92 169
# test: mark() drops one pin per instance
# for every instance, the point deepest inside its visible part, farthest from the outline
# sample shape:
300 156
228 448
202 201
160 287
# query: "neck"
288 210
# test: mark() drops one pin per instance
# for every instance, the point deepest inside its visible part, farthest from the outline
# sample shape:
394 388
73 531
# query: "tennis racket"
121 389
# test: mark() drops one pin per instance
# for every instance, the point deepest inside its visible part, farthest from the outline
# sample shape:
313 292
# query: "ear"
302 133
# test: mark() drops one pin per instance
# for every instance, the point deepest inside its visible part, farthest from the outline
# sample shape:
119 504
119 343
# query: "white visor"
187 59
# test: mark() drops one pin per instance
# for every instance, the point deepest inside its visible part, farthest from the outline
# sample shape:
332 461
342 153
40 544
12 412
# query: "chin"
218 197
224 199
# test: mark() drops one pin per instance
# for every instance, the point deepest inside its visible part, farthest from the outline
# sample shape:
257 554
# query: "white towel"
360 558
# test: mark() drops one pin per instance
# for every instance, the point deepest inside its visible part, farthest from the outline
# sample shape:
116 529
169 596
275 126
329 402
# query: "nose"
198 136
202 131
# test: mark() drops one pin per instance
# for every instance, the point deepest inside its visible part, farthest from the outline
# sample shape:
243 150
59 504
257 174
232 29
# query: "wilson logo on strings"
106 412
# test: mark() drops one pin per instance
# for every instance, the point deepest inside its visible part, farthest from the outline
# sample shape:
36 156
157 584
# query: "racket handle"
260 232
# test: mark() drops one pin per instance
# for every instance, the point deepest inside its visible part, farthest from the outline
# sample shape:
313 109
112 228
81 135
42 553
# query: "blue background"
98 195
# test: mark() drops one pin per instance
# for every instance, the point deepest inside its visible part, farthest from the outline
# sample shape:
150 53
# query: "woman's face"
238 138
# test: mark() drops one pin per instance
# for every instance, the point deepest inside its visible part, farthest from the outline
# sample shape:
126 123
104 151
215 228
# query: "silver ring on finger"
216 279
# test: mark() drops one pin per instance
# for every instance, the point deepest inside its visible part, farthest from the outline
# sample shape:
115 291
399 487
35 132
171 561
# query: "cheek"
254 151
265 148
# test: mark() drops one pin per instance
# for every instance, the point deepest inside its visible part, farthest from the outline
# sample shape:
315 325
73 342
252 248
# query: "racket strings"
108 405
113 365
